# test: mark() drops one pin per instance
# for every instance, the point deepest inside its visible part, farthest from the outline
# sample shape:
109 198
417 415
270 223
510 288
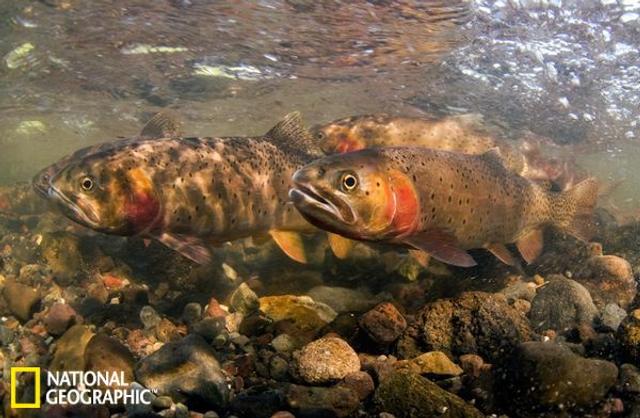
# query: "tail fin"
580 201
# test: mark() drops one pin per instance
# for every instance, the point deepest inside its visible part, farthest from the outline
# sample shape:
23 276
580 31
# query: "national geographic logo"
79 388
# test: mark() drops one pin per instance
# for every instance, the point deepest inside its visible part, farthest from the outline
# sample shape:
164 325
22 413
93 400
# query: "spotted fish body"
186 192
465 134
441 202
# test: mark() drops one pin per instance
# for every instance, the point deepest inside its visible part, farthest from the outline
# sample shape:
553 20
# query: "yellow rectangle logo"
14 386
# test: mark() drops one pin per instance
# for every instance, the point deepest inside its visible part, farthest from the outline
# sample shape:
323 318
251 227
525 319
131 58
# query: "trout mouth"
86 216
322 206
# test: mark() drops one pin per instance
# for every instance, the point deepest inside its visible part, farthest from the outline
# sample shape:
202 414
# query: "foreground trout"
186 192
466 134
440 202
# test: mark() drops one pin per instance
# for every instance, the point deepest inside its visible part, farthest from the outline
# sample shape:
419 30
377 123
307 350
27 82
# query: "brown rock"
628 335
326 402
60 317
106 354
70 349
609 279
21 300
384 323
473 323
436 362
326 360
360 383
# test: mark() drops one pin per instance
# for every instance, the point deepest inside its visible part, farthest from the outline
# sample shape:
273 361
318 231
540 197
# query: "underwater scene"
299 208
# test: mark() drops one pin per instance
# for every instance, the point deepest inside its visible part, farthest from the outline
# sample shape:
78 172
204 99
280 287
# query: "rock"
562 304
436 362
59 317
327 359
406 394
166 331
284 343
343 299
629 380
149 317
244 300
547 374
628 335
209 328
191 313
162 402
186 370
70 348
384 323
612 315
359 382
278 368
473 323
21 300
104 353
316 402
472 364
609 278
258 402
283 414
61 251
519 290
302 312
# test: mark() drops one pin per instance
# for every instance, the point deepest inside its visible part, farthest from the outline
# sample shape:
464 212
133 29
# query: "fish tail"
574 209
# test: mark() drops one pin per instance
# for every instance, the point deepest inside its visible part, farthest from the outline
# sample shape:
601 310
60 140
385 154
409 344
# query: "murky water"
559 76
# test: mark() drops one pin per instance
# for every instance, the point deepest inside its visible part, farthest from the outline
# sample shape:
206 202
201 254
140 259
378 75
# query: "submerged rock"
186 370
561 305
343 299
609 278
302 312
546 374
21 300
59 318
406 394
327 360
325 402
104 353
629 336
436 362
70 349
244 300
384 323
611 316
474 323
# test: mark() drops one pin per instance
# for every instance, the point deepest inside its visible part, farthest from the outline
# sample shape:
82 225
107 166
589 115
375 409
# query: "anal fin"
502 253
530 245
340 246
442 246
291 243
190 247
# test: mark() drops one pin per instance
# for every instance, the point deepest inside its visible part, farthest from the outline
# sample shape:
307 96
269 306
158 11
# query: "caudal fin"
580 201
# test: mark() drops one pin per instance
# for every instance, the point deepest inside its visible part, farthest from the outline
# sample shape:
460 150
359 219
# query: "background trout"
467 134
186 192
440 202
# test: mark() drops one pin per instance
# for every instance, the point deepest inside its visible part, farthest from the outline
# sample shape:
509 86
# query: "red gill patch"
142 210
407 205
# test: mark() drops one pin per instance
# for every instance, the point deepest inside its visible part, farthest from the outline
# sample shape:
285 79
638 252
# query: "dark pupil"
350 182
87 184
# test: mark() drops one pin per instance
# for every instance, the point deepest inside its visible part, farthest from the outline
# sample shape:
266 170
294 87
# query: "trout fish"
467 134
440 202
187 192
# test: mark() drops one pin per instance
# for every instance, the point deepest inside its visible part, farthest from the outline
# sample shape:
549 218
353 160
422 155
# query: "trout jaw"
86 216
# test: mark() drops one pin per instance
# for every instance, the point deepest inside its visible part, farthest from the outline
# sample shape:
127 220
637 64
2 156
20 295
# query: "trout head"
356 195
102 192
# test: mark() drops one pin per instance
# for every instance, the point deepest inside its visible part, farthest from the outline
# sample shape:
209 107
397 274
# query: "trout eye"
320 136
87 184
349 182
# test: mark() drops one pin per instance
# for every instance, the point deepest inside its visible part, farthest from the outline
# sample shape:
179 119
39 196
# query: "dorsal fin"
290 131
494 156
161 125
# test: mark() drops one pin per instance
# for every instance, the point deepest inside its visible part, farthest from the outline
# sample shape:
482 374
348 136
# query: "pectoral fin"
340 245
291 243
260 239
420 256
530 245
442 246
502 253
192 248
